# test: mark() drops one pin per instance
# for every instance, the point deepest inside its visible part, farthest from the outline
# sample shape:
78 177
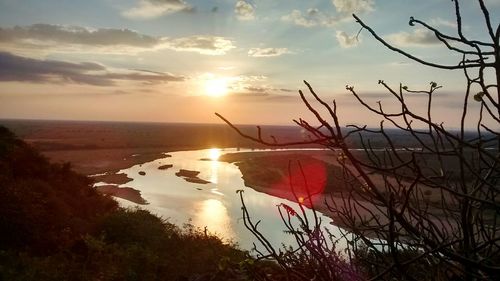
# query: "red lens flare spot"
306 177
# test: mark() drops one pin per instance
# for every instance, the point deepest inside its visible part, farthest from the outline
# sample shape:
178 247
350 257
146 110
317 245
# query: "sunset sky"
182 60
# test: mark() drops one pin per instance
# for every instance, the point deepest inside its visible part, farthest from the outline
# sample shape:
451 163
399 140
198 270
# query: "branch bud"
412 20
479 96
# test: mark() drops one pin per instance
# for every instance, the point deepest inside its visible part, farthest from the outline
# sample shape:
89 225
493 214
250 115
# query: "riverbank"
100 161
311 177
316 179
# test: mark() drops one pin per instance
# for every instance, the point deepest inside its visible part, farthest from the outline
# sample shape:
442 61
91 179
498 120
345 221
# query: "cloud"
48 36
399 63
244 10
207 45
149 9
263 94
347 41
250 88
62 38
244 89
312 17
23 69
419 37
267 52
254 89
443 22
251 78
258 97
349 7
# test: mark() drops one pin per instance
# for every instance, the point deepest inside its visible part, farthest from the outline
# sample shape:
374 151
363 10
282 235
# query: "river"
215 205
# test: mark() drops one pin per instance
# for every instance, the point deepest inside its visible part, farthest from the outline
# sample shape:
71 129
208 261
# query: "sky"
183 60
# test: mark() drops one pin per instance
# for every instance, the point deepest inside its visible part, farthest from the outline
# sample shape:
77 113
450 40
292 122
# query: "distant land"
97 147
101 146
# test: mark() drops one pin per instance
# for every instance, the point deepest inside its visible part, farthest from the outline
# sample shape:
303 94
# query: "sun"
216 87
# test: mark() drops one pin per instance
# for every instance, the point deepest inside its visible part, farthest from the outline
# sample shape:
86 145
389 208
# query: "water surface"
215 205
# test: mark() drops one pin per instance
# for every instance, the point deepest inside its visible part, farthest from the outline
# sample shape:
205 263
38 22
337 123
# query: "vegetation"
435 215
44 207
55 226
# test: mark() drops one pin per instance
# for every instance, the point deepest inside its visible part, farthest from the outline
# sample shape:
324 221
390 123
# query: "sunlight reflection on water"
214 172
215 205
214 154
213 212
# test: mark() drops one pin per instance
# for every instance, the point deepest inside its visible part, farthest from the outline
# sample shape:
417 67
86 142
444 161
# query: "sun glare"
216 87
214 154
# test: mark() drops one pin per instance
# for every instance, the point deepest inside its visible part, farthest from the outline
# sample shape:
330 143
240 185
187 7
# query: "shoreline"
126 158
97 162
104 165
116 179
332 196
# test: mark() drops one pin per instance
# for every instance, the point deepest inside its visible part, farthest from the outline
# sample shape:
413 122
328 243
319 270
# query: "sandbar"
126 193
112 178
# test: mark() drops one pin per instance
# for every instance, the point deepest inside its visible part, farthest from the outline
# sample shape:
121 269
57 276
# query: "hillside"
55 226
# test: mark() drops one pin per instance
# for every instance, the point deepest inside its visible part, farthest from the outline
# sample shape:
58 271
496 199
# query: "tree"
433 206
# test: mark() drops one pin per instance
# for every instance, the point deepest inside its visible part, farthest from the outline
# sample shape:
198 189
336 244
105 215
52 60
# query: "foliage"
131 245
44 206
315 257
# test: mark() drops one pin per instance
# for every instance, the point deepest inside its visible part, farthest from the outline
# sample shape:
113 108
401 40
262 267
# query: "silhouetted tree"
428 208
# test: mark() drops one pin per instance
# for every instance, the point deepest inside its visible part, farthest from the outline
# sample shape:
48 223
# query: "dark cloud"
77 35
23 69
150 78
148 71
